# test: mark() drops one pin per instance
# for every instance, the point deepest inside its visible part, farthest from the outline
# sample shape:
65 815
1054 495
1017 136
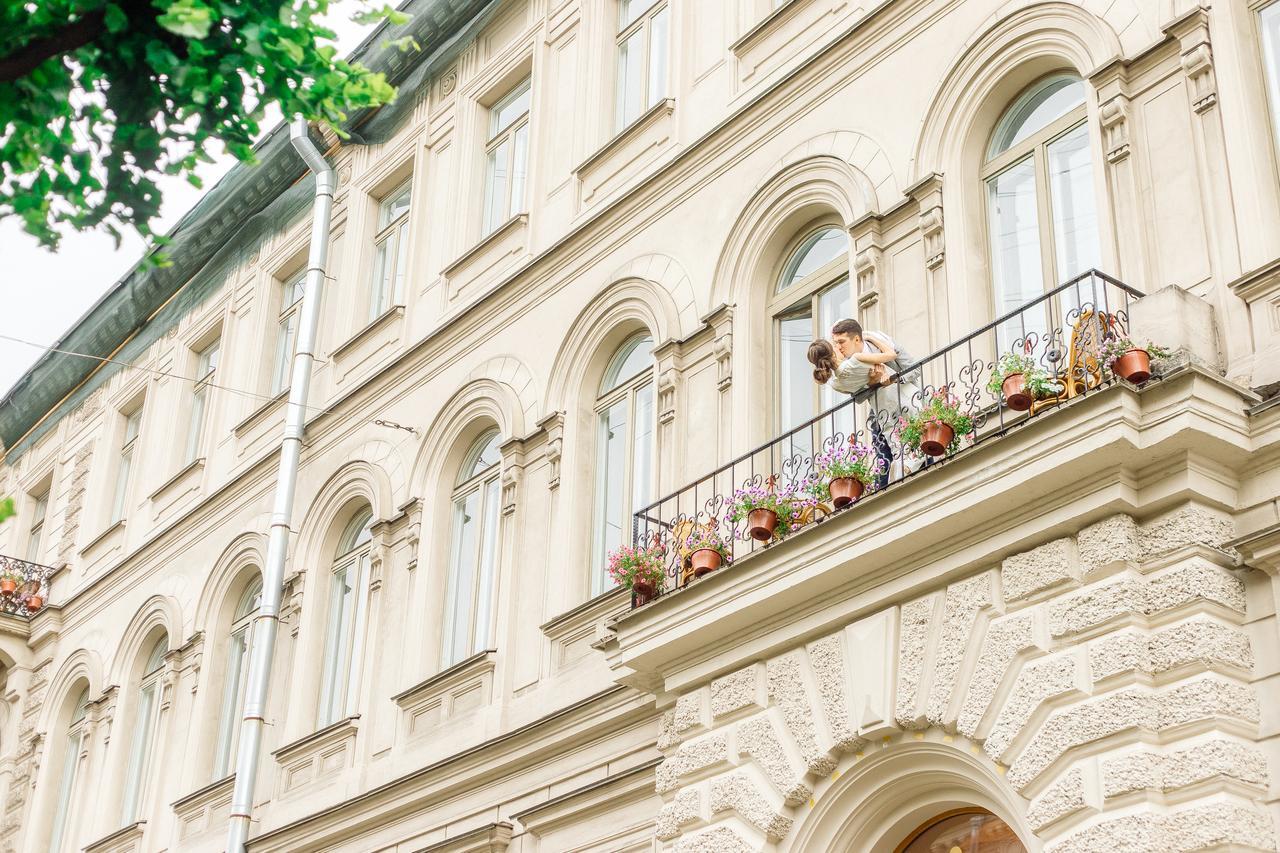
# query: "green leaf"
115 18
188 18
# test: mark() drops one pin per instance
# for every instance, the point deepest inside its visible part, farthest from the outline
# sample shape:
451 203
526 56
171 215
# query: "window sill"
259 414
491 255
194 466
395 312
649 132
784 33
320 754
102 537
765 27
463 687
572 633
124 840
204 810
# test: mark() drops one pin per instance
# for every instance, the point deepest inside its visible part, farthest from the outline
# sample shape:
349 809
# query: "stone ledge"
463 687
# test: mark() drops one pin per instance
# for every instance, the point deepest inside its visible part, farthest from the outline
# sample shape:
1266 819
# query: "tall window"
35 536
624 449
643 35
507 154
1270 20
287 336
473 559
812 294
125 466
967 830
391 255
236 678
142 742
349 574
63 809
1040 201
206 367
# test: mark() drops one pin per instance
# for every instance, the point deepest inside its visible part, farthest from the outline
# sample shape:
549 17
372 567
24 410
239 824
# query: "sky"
44 293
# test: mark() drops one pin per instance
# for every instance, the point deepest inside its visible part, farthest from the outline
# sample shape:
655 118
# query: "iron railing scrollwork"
31 586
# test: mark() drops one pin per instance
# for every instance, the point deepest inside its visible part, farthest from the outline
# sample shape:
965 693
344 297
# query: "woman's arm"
882 357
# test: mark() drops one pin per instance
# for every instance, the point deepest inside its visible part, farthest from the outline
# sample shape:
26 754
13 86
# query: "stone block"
1065 796
1177 320
1041 568
683 810
1109 542
717 839
787 690
758 740
1189 524
960 609
1001 645
736 691
738 792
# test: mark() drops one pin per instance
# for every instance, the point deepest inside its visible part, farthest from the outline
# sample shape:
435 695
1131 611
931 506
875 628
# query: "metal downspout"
266 623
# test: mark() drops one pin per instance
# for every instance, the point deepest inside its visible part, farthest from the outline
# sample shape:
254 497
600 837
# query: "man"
848 337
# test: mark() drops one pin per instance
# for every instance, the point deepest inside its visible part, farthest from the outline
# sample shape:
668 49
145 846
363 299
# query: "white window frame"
637 486
62 825
653 23
236 679
145 728
484 484
391 251
125 463
1269 41
343 643
206 370
498 211
35 533
290 313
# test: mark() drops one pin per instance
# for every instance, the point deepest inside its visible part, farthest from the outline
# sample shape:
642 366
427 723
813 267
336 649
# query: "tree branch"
74 35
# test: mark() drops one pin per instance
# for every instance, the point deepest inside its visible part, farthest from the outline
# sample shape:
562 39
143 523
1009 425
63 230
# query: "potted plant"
640 570
843 474
1020 380
34 603
768 513
936 428
9 581
1131 362
707 550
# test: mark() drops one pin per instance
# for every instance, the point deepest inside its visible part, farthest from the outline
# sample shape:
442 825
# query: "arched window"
473 557
812 294
963 831
236 678
63 808
624 449
142 742
1041 211
348 575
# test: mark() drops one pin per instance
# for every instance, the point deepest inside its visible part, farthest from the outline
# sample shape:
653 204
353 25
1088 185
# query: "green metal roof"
215 236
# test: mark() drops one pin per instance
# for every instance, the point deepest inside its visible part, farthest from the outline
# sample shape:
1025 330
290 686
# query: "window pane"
138 754
462 578
630 10
641 451
658 31
285 343
336 648
495 194
1040 105
122 485
834 303
382 268
480 637
510 108
292 292
519 170
1075 217
976 832
814 253
630 78
1015 247
395 295
1271 59
611 467
635 356
484 454
232 705
66 786
795 334
131 426
196 427
392 208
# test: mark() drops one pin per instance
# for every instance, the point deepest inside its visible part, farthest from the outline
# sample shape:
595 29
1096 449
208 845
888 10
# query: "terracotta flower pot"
705 561
34 603
7 586
1015 392
1134 366
761 523
936 439
845 490
644 591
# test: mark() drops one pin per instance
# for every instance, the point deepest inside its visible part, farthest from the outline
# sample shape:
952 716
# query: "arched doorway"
963 831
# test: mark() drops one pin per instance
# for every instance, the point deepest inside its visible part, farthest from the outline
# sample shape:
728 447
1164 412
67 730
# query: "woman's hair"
822 355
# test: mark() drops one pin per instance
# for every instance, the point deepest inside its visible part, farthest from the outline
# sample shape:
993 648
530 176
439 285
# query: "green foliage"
942 407
6 508
98 98
1036 380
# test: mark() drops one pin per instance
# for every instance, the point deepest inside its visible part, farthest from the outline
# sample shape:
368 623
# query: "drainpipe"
266 623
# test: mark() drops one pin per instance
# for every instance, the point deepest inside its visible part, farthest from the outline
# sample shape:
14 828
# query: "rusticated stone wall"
1105 677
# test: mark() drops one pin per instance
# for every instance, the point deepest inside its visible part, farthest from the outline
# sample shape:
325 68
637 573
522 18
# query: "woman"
867 370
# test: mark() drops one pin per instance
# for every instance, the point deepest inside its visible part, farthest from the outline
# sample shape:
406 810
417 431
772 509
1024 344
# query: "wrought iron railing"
24 586
1062 332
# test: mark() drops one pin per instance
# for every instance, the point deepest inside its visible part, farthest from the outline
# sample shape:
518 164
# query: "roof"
211 239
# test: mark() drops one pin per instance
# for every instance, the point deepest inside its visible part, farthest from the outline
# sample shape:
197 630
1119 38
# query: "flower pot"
845 490
1134 366
1016 397
761 523
7 586
705 561
936 439
643 590
34 603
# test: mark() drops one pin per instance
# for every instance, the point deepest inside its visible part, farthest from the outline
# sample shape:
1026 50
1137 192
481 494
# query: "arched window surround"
145 725
235 675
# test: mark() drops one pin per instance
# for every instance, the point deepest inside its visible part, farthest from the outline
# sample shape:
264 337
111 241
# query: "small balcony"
23 586
1051 351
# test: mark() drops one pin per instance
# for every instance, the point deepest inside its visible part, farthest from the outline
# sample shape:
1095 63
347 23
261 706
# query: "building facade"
573 273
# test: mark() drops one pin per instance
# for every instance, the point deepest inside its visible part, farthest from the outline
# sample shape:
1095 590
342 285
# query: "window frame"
643 21
496 137
35 529
207 358
340 675
624 389
1270 70
235 679
486 484
125 462
289 315
61 822
386 289
146 724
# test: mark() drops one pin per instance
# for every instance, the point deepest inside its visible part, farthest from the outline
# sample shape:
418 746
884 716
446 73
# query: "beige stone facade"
1069 624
